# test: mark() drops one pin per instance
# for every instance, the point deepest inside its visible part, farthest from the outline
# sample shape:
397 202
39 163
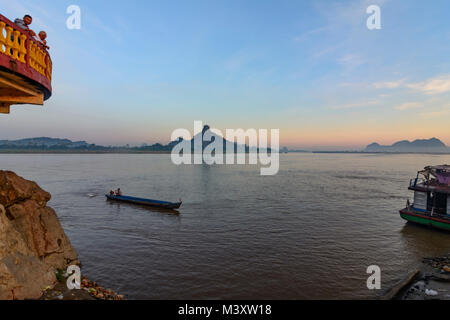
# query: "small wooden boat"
145 202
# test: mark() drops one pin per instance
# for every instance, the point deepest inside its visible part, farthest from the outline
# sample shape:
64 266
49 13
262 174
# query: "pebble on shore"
98 291
433 282
90 290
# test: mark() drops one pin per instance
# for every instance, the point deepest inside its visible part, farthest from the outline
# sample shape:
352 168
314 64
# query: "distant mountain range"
432 145
45 144
227 145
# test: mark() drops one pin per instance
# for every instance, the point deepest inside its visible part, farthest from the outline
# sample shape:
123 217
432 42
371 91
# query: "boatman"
118 192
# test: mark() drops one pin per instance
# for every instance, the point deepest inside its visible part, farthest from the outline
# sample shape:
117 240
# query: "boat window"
439 203
420 200
448 204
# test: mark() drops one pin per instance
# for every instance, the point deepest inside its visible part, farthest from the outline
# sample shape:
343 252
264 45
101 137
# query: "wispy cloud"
355 105
390 84
327 50
111 31
409 106
240 60
306 35
351 61
443 111
433 86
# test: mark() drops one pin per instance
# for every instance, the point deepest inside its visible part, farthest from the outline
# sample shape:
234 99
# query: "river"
309 232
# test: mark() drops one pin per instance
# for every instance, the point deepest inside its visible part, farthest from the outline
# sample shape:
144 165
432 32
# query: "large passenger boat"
25 67
431 205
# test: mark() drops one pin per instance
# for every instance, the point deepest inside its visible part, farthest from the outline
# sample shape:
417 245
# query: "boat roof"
433 186
444 167
437 179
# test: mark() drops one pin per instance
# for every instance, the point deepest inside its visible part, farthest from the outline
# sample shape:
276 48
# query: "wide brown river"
309 232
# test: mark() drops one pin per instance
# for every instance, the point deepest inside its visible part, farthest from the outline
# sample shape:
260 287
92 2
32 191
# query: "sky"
138 69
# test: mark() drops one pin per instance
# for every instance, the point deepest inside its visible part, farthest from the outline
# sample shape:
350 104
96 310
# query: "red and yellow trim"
25 67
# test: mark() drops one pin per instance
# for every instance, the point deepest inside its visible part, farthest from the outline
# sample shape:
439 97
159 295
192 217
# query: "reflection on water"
309 232
423 240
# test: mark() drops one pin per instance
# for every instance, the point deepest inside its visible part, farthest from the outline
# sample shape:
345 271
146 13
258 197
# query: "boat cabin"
432 190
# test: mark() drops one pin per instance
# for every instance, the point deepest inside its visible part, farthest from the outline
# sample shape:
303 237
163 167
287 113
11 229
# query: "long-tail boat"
25 67
431 206
145 202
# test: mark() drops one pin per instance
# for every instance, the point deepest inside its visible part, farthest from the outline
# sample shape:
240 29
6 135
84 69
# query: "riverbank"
431 281
90 290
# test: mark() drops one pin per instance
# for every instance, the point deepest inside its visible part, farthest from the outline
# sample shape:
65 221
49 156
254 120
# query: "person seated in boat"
24 24
111 193
118 192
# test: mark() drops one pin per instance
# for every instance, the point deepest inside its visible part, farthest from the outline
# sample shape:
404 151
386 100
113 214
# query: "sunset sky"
137 70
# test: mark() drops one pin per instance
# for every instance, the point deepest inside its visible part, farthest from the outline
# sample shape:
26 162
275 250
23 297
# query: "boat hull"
426 219
145 202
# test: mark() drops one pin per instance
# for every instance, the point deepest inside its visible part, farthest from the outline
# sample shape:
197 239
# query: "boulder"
33 244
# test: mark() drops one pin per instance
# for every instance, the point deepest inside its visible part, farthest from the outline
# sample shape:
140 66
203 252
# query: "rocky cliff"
33 244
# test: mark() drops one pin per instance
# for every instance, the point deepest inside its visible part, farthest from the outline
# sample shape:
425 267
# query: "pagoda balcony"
25 67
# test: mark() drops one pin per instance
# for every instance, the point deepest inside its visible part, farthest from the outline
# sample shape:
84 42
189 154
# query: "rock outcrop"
33 244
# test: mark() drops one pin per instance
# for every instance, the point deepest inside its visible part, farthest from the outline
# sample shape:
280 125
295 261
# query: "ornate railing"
24 55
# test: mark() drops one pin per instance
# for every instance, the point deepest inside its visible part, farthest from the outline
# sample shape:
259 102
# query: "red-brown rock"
32 242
